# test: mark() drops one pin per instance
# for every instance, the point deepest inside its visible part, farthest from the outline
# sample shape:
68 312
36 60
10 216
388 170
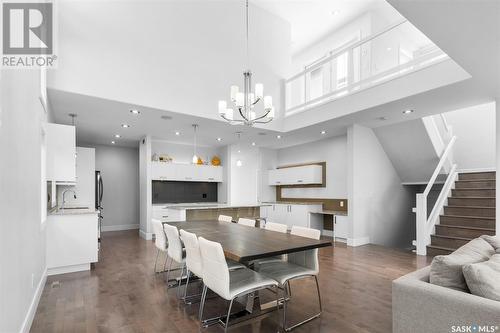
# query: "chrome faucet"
64 196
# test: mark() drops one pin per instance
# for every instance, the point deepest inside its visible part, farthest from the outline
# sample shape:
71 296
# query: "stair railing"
426 222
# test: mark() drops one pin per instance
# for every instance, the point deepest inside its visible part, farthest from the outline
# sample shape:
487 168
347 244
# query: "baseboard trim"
325 232
30 315
106 228
476 170
358 241
68 269
145 235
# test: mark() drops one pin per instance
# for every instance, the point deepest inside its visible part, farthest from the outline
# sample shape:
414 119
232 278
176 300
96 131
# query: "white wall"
379 206
184 153
119 167
145 188
334 152
268 161
475 129
22 234
184 57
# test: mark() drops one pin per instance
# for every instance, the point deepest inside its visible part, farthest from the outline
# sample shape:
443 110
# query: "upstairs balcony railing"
396 51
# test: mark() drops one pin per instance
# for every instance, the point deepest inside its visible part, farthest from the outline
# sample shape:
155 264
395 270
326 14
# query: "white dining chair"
246 222
298 265
193 258
175 251
276 227
225 218
228 284
160 242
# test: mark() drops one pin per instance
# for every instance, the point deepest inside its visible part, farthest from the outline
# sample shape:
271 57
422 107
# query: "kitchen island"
204 211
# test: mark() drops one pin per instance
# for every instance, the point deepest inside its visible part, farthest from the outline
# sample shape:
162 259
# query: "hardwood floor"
123 295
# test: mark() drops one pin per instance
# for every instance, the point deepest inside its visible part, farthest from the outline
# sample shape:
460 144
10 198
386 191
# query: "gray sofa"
418 306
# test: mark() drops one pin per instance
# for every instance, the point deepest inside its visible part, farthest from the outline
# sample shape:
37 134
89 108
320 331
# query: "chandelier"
246 100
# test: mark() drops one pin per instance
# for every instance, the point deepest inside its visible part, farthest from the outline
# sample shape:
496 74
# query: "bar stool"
246 222
225 218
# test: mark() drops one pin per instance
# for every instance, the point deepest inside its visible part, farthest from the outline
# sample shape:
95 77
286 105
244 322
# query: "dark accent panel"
180 192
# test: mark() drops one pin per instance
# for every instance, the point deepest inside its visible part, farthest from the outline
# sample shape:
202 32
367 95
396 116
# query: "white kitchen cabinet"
165 214
291 214
300 175
186 172
61 153
341 226
71 242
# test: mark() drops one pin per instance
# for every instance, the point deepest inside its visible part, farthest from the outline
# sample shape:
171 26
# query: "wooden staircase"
470 213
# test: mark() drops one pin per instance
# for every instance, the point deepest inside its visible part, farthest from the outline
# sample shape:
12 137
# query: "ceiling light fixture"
335 12
278 136
246 100
125 126
253 143
195 158
408 111
117 136
134 111
323 132
239 162
112 142
177 133
219 139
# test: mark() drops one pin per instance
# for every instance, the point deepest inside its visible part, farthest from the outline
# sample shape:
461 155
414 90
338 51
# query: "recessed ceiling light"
219 139
239 151
177 133
134 111
112 142
278 136
125 126
117 136
408 111
389 48
323 132
253 143
335 12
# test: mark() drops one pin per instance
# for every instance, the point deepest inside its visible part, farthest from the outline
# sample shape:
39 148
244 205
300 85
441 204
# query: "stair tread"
470 217
481 207
453 237
464 227
476 180
474 197
441 248
475 189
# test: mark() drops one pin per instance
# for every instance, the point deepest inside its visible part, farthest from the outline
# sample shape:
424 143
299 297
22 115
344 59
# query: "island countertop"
73 210
196 206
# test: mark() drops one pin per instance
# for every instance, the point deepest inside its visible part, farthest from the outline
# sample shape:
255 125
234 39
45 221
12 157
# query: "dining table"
244 244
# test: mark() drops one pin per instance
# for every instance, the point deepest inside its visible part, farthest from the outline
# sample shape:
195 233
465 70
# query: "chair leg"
187 283
202 303
156 260
289 289
228 315
319 294
278 306
284 306
165 263
169 266
180 282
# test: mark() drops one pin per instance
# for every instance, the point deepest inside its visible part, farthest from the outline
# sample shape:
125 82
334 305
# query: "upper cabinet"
186 172
61 153
298 175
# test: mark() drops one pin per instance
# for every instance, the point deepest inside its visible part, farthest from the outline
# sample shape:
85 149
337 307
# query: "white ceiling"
311 20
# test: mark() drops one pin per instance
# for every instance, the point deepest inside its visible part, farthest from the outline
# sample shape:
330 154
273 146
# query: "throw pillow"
493 240
483 279
446 271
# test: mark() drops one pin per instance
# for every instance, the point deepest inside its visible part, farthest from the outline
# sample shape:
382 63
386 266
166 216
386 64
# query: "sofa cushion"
446 271
493 240
483 279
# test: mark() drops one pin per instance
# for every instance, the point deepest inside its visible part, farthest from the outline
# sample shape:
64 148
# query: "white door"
341 226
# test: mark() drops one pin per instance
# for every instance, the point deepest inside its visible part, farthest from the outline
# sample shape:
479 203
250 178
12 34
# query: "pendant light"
195 157
238 161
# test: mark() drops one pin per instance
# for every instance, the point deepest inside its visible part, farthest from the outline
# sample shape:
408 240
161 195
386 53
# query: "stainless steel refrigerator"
99 191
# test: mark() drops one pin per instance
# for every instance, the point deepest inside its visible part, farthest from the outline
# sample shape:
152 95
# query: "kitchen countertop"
70 210
192 206
293 202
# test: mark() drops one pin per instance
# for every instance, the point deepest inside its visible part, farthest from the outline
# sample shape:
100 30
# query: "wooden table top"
242 243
